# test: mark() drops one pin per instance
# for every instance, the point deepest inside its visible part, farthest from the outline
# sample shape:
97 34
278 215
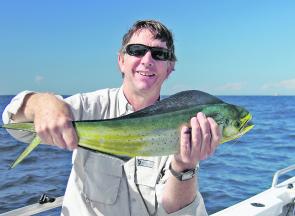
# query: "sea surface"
238 169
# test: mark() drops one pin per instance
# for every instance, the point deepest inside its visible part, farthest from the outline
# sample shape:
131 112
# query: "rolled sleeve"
12 108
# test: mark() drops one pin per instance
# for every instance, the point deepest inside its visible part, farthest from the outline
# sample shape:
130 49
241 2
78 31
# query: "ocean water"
238 169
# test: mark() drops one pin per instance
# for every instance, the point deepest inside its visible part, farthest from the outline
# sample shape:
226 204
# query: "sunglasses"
139 50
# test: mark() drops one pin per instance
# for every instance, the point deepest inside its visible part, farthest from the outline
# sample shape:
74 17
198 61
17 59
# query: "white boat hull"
276 201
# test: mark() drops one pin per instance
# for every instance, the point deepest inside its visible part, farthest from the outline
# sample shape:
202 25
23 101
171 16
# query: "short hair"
159 31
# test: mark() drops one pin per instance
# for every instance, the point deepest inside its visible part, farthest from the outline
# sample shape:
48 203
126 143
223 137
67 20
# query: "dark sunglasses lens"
139 50
136 50
160 54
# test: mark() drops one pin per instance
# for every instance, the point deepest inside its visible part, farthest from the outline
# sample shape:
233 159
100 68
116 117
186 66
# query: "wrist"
30 104
179 166
25 112
184 175
34 102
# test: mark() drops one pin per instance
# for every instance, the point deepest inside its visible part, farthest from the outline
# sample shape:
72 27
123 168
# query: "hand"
53 121
197 142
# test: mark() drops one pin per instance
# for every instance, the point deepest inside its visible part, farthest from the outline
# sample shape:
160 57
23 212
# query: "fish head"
234 121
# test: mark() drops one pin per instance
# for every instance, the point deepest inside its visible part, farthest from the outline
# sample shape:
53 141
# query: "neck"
140 100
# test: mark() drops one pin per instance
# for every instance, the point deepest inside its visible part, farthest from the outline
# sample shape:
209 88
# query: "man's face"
144 74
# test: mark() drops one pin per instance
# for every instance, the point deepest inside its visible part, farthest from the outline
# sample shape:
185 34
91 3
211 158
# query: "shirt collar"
124 106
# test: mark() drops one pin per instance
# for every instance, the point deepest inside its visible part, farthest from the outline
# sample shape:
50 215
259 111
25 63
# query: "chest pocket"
146 172
147 176
103 175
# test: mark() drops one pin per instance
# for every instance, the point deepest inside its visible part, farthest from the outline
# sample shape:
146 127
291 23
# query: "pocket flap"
103 175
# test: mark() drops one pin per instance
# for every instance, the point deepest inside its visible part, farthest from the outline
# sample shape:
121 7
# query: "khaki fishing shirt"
101 184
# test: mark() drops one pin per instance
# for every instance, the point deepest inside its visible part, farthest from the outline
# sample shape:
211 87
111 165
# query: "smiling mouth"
146 74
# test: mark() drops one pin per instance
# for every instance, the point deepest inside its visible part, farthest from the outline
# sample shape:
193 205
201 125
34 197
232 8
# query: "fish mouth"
246 125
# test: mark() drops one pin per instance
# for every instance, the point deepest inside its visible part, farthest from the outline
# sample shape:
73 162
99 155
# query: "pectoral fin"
36 141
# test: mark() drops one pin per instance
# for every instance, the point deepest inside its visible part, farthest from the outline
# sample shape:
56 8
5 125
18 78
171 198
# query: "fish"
154 130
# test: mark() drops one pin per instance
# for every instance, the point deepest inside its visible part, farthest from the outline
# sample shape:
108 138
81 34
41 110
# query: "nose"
147 59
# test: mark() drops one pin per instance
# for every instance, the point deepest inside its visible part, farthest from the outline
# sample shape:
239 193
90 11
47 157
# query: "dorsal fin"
178 101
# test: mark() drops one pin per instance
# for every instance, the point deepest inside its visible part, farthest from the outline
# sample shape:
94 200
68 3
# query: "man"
102 184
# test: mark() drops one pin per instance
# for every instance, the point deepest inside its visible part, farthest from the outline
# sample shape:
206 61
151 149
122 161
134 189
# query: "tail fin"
36 141
23 126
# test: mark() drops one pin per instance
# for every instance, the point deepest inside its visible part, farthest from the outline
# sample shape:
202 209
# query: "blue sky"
224 47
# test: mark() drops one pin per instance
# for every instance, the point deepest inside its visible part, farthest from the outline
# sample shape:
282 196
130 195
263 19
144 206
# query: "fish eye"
237 124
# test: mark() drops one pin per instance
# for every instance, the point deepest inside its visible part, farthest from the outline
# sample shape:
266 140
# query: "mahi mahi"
154 130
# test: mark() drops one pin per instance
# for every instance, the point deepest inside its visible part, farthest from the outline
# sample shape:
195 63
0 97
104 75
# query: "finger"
46 138
206 134
44 134
58 140
196 138
64 134
216 135
70 138
185 144
56 131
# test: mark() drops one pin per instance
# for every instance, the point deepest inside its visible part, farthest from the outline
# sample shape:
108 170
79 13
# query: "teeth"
146 74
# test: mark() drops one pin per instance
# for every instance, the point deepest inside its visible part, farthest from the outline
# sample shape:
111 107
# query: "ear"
170 67
121 61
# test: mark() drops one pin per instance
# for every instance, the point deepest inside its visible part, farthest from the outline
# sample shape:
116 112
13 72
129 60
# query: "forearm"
25 112
178 194
33 103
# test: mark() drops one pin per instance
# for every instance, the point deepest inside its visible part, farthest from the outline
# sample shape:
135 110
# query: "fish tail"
36 141
23 126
